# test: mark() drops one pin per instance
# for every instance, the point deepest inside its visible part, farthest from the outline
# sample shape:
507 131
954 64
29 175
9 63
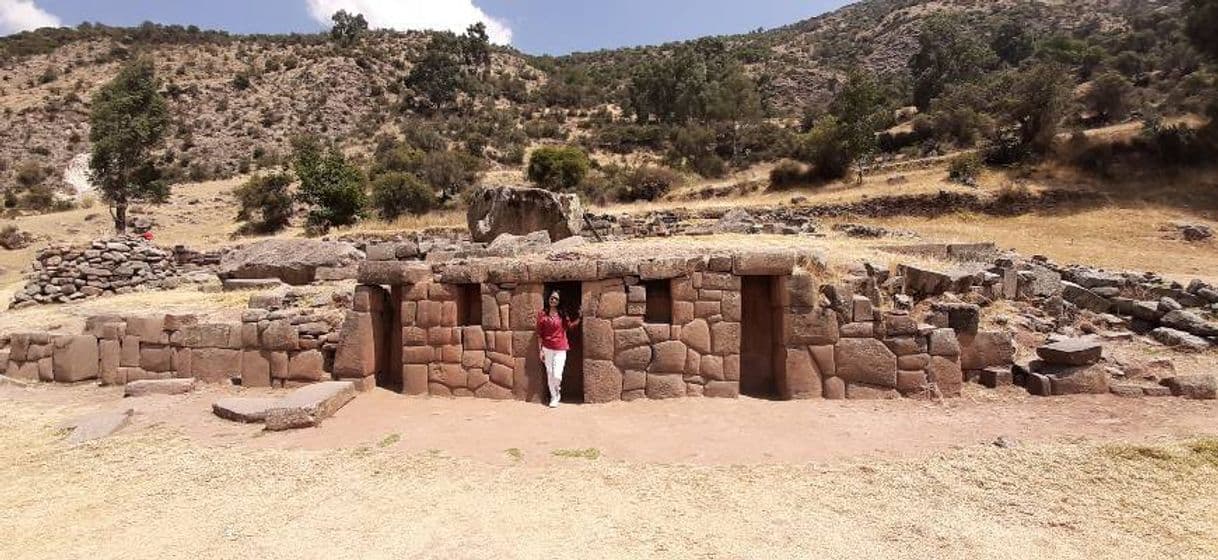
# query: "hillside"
237 101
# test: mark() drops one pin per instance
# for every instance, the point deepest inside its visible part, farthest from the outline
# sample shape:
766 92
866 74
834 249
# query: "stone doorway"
760 341
571 296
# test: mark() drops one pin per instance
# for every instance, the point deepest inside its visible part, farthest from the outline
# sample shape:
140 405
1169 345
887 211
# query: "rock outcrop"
494 211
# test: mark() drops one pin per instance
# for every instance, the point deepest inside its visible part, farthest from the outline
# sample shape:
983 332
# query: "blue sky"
533 26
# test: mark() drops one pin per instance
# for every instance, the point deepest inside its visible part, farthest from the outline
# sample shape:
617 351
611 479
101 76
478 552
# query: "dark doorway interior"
469 305
760 337
570 295
387 337
659 302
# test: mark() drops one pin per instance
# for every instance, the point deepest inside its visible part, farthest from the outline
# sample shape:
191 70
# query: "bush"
450 173
788 173
265 203
558 168
394 194
825 148
710 166
648 183
965 169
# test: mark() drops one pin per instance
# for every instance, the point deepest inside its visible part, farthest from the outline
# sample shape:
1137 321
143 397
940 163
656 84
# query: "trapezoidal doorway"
570 296
760 337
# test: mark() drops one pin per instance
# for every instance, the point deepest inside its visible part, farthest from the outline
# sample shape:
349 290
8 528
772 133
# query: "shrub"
825 148
451 173
30 173
394 194
265 203
965 168
558 168
648 183
788 173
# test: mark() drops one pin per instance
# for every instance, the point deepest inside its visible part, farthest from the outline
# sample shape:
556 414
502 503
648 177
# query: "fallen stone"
249 410
1179 339
1189 322
242 284
309 405
1199 387
1072 352
147 387
98 425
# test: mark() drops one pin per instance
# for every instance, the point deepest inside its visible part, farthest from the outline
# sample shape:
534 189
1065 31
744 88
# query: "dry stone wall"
118 265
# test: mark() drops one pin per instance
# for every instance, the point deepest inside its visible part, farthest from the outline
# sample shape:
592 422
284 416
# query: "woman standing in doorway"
552 327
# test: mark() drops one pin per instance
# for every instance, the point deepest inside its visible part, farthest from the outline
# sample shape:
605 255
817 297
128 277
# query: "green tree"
348 28
395 194
1012 43
1036 99
476 46
826 149
859 110
558 168
437 77
265 203
949 52
697 81
1108 96
129 118
332 187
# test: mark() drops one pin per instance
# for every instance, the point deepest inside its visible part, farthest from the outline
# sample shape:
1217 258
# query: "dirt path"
181 485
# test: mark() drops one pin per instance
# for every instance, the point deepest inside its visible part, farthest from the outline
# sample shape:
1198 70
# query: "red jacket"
553 331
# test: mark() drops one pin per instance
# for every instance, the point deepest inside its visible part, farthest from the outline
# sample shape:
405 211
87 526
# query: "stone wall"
828 342
268 348
118 265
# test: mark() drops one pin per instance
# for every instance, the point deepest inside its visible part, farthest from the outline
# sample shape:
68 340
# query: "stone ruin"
756 323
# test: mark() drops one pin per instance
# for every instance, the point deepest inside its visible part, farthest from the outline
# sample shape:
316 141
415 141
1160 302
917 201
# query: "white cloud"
441 15
23 15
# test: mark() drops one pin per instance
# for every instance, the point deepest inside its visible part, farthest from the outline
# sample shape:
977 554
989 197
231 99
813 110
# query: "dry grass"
1126 238
157 494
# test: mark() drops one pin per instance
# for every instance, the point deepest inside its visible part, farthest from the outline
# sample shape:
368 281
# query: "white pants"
555 361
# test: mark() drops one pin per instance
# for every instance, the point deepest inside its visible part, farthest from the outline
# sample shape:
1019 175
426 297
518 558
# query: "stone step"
302 408
309 405
249 410
158 387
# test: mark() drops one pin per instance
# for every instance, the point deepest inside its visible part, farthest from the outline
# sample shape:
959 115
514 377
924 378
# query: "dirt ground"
392 476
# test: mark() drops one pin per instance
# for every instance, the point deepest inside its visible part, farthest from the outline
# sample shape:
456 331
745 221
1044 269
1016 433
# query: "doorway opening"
469 305
570 295
760 340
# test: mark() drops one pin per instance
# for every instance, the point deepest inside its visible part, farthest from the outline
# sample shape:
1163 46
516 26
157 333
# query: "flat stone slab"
147 387
1199 387
239 284
249 410
98 425
1072 352
302 408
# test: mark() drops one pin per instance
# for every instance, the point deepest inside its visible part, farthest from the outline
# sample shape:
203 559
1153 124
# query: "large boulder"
494 211
294 261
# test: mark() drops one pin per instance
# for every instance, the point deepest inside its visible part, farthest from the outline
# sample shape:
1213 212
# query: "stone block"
1072 352
215 365
810 327
865 360
857 330
355 357
911 381
147 387
109 352
995 377
1198 387
661 386
800 378
725 338
669 357
635 358
255 368
75 358
946 374
721 390
157 359
912 362
943 342
763 263
986 349
602 382
861 308
414 379
393 273
834 388
709 367
179 321
149 328
598 339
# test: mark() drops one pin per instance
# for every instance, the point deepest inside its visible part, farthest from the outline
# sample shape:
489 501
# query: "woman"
552 327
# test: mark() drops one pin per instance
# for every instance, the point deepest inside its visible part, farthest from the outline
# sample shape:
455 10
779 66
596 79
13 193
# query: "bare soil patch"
391 477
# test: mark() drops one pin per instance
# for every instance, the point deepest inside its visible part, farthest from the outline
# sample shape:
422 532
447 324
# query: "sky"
533 26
